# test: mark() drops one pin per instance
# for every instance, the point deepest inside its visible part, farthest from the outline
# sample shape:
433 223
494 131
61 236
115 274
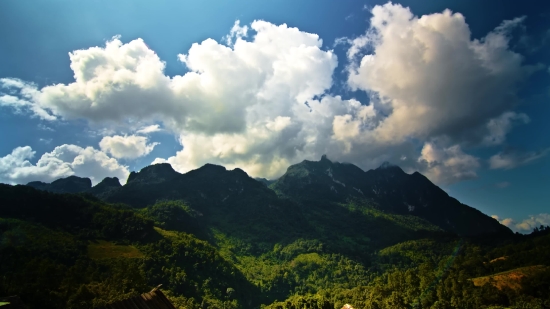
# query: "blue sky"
460 95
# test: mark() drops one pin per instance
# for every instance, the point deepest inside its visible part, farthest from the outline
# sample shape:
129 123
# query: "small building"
152 300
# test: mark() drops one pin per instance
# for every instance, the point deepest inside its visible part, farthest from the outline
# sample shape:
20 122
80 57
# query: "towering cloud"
260 99
433 77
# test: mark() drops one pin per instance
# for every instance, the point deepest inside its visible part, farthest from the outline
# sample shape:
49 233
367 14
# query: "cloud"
436 80
44 127
63 161
512 159
126 147
260 99
500 126
236 32
20 97
149 129
122 82
526 225
447 165
251 93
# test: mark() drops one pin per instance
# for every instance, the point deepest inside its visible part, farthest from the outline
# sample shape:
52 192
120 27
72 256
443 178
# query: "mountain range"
323 235
387 189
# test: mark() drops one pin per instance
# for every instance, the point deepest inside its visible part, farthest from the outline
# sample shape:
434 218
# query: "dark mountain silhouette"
323 183
71 184
387 188
105 186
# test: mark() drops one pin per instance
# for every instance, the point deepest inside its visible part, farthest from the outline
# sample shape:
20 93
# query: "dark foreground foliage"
324 256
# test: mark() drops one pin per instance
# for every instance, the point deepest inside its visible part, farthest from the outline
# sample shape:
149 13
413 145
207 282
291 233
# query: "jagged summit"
388 188
107 185
153 173
110 182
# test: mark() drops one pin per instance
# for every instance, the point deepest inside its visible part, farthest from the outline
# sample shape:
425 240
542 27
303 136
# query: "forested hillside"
323 235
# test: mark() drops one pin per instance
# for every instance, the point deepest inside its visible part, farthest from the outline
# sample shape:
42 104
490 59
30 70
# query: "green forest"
262 250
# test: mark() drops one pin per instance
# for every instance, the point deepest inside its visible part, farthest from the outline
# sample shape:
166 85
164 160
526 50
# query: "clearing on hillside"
102 249
511 278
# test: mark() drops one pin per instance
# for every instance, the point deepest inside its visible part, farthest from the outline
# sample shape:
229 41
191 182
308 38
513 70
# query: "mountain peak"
240 172
325 159
71 184
109 182
212 168
153 173
107 185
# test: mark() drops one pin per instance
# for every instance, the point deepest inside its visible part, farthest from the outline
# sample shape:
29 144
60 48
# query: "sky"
458 90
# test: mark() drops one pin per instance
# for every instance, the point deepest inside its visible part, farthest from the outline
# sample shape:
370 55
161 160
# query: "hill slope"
386 188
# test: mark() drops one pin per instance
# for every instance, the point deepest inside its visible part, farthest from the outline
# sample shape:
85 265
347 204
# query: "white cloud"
512 159
259 99
127 147
236 32
526 225
434 77
149 129
20 97
447 165
63 161
251 94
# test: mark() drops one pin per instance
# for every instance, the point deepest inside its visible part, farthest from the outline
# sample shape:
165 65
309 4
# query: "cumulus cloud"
447 165
511 159
526 225
126 147
260 99
434 77
63 161
121 82
248 98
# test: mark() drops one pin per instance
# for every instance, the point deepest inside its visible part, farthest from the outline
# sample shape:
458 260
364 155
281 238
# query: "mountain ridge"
387 188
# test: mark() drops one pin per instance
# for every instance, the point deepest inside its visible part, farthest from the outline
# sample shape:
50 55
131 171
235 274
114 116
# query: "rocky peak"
153 173
109 182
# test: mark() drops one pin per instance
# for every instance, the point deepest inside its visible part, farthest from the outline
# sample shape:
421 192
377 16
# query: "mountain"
265 181
104 187
324 184
387 188
323 235
75 184
211 184
71 184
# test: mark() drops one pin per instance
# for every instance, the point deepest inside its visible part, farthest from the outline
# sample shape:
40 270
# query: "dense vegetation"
235 243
